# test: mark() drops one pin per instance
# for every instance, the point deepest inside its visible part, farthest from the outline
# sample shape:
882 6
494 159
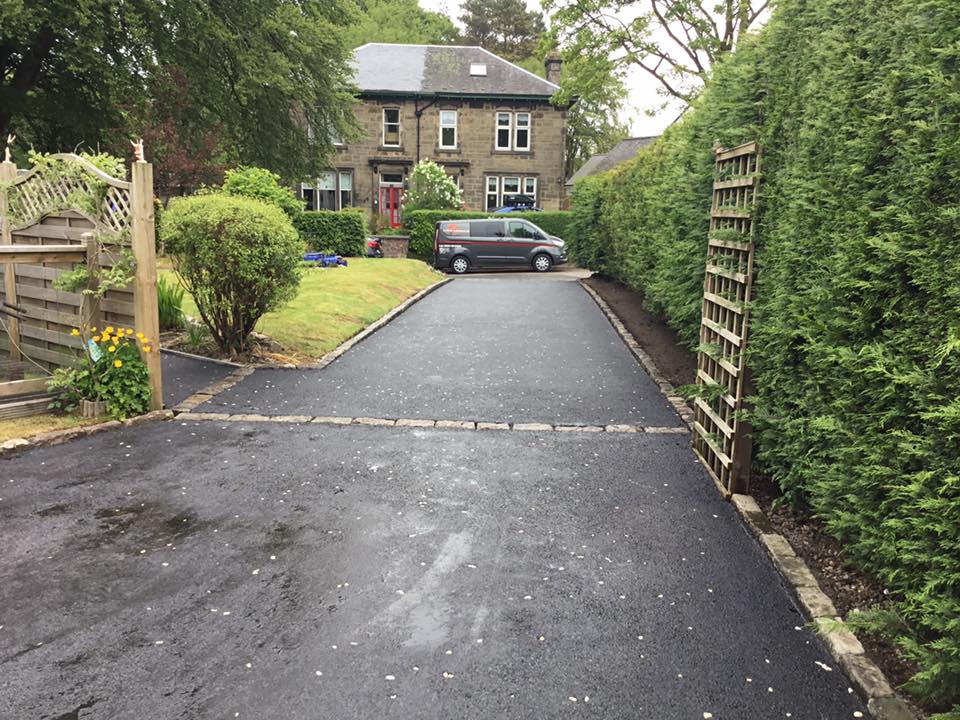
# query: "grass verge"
29 426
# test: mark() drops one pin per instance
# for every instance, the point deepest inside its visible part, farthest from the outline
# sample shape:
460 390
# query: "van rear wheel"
459 265
542 262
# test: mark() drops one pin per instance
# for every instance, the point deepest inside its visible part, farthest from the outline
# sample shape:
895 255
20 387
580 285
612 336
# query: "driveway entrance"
280 569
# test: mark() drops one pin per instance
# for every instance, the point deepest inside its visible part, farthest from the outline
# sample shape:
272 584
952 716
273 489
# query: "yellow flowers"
112 348
146 348
141 336
96 338
118 363
75 332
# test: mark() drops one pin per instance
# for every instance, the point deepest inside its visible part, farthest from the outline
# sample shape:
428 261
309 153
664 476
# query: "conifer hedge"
855 343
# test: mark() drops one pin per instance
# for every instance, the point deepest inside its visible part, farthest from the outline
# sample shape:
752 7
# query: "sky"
641 86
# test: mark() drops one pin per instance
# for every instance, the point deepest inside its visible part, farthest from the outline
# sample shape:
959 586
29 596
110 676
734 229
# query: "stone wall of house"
473 160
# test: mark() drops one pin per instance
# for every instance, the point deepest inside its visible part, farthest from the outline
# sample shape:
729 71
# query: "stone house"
488 122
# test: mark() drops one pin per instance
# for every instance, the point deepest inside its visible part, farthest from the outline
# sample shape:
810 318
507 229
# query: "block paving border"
868 680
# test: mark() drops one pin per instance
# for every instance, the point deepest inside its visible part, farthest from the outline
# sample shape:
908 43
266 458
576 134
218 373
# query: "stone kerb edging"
243 371
844 647
56 437
438 424
373 327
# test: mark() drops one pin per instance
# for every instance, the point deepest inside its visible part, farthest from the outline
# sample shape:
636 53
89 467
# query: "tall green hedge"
421 223
341 232
856 327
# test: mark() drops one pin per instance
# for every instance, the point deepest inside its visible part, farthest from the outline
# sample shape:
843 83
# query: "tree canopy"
245 76
504 27
399 21
675 41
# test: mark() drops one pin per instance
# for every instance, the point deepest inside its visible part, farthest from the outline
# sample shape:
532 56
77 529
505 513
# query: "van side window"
486 228
521 230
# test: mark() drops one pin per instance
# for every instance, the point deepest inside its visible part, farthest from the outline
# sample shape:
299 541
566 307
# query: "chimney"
553 63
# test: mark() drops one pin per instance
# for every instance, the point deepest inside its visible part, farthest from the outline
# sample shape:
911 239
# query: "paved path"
201 569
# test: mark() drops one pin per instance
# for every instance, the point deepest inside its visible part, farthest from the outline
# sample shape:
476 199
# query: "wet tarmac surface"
183 376
507 348
200 569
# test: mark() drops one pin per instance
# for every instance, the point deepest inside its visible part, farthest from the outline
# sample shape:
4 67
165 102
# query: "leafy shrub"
421 223
263 185
855 346
238 257
338 232
431 189
170 304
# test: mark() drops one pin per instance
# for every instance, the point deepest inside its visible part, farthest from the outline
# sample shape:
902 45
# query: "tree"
431 189
675 41
399 21
259 72
504 27
594 123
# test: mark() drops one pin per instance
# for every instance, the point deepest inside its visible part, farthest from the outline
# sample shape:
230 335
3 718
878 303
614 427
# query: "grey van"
459 245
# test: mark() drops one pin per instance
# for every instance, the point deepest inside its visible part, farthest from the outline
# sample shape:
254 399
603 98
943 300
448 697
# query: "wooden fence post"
145 284
8 173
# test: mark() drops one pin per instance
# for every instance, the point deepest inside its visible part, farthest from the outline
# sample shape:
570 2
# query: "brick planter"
394 246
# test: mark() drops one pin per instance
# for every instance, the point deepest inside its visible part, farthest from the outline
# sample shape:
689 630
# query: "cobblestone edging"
56 437
439 424
373 327
868 680
243 371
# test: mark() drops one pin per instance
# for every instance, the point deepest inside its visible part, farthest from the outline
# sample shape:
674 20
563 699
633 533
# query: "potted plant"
109 378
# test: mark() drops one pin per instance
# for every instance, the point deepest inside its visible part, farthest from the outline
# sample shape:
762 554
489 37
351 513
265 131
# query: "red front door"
390 198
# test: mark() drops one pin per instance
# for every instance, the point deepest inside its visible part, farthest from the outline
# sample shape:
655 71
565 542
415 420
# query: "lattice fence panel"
722 436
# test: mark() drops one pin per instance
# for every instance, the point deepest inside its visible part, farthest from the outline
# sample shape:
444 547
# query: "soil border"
845 648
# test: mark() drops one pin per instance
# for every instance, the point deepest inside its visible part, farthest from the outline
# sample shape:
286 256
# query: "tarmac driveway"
210 569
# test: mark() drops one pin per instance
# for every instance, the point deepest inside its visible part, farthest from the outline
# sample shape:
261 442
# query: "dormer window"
478 70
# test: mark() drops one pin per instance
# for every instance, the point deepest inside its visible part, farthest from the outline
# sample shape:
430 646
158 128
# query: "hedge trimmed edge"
341 232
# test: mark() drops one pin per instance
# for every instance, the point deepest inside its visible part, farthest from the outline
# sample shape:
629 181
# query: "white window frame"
341 190
497 127
488 192
456 131
517 128
498 182
523 189
383 128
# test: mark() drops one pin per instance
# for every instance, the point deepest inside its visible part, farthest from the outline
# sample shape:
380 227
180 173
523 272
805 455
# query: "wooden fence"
50 234
722 436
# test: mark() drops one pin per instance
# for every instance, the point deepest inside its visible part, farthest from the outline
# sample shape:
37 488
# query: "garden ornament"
10 139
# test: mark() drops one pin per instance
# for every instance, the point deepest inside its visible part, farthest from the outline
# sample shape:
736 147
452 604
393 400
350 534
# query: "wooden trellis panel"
40 340
722 437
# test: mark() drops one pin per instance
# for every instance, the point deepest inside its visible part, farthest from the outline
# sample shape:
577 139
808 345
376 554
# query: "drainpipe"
418 111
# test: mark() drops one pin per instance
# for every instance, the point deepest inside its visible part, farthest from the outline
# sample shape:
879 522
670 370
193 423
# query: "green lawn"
335 303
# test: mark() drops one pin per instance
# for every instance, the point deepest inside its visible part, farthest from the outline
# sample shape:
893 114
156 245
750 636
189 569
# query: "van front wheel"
459 265
542 263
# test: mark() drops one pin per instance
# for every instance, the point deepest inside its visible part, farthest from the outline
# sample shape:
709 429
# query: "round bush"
238 257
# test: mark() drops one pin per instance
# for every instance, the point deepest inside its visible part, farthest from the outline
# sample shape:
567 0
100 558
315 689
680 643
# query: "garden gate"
53 218
722 436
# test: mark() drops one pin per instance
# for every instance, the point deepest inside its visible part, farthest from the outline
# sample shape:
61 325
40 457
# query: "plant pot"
93 408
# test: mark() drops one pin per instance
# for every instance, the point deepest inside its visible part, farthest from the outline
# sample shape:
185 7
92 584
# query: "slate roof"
623 151
441 70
